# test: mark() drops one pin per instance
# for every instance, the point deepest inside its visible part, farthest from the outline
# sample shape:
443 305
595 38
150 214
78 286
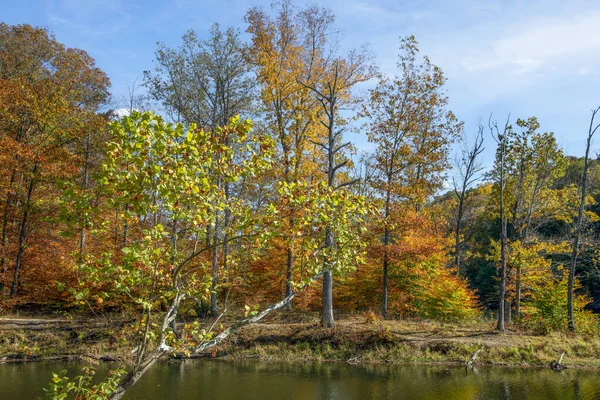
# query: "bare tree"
579 222
134 98
469 167
364 171
502 140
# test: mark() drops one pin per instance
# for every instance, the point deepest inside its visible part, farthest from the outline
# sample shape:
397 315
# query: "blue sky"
524 57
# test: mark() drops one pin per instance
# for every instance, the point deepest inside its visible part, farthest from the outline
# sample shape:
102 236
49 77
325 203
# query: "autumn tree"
421 284
408 120
544 282
285 48
49 101
173 166
172 182
534 161
332 88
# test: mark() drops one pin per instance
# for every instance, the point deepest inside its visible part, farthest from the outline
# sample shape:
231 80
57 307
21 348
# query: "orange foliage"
421 284
49 96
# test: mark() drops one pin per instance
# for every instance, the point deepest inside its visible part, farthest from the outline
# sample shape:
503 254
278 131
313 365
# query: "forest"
226 186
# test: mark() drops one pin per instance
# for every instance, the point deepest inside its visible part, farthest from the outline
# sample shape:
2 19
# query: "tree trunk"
82 235
579 223
457 243
85 183
208 237
130 379
384 297
174 237
518 293
226 218
125 225
23 233
502 294
327 320
22 132
571 283
503 238
289 273
215 269
386 243
144 362
289 277
3 264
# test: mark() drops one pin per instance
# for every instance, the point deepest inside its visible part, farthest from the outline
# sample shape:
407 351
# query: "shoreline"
352 341
454 364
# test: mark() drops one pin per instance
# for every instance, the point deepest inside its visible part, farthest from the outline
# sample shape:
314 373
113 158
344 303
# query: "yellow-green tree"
534 161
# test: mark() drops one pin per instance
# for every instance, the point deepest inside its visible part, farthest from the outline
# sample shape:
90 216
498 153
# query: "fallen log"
471 362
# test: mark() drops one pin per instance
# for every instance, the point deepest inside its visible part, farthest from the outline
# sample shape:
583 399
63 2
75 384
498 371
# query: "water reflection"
224 380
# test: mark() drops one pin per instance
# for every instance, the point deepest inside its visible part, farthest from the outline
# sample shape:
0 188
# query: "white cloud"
121 112
540 43
494 58
553 39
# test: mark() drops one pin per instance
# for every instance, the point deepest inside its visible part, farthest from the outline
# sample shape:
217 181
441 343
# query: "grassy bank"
47 338
298 337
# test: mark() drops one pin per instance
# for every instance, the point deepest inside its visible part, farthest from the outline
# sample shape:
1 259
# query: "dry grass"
298 337
27 339
356 340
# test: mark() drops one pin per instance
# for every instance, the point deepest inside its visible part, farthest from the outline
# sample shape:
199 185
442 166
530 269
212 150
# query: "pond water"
249 380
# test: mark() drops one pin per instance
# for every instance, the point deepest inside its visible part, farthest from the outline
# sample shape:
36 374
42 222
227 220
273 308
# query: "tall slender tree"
501 139
332 90
533 162
285 48
580 217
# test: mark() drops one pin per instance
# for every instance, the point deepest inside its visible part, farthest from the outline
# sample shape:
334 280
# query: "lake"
254 380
